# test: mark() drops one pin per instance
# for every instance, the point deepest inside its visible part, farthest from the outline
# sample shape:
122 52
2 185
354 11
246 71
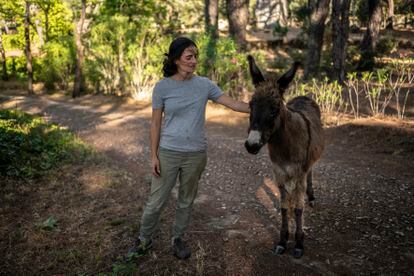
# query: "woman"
179 150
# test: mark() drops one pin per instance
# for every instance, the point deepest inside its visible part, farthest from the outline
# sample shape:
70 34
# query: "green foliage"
49 224
126 43
59 18
362 12
375 91
124 267
279 29
380 87
387 45
300 10
227 67
16 67
29 146
57 63
327 94
7 42
123 58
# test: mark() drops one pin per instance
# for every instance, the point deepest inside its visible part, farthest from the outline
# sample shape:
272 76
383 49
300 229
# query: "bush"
221 61
279 29
362 12
300 11
29 146
387 45
123 58
57 64
16 67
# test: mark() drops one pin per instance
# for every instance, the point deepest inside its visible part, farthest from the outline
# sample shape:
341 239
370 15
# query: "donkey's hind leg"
299 207
309 189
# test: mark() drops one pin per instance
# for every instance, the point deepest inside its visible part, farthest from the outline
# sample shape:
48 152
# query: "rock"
400 233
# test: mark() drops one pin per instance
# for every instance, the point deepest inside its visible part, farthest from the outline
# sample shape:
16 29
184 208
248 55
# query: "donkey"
294 135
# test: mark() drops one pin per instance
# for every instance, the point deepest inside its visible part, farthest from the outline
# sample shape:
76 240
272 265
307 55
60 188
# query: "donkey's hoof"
297 253
279 250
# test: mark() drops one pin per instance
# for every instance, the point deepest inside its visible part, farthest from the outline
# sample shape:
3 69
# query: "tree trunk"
284 8
4 75
121 66
390 15
238 16
340 31
211 14
369 42
319 13
45 6
77 86
28 51
39 30
253 20
47 25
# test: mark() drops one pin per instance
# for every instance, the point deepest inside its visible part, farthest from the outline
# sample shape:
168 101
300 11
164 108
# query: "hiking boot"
180 249
140 248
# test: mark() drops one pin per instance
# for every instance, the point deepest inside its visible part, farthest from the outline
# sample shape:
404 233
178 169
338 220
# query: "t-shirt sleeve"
157 101
214 92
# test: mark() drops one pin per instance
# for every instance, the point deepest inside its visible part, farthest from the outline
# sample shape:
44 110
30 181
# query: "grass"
29 146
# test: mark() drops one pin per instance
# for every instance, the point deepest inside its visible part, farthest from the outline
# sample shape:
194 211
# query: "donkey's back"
310 113
306 106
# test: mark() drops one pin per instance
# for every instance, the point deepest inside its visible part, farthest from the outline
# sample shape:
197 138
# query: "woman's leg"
160 192
191 169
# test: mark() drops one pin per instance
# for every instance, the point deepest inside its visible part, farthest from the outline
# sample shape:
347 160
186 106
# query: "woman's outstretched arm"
233 104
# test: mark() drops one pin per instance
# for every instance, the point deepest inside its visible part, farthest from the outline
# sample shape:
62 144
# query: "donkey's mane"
268 89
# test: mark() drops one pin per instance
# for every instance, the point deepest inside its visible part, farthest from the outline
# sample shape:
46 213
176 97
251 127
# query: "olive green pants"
187 167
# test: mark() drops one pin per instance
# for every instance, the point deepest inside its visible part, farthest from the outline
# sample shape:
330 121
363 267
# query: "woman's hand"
155 165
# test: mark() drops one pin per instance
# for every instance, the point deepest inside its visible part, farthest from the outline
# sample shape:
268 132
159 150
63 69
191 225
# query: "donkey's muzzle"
252 148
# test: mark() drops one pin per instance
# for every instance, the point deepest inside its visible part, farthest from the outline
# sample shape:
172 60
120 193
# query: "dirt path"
362 223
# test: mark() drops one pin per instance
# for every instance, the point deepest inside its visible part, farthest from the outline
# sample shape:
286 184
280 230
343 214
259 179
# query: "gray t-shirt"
184 105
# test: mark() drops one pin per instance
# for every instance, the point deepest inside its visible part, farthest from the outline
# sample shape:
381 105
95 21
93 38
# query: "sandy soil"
362 222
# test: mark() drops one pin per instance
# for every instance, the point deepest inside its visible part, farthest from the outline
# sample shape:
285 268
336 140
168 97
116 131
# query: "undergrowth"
29 146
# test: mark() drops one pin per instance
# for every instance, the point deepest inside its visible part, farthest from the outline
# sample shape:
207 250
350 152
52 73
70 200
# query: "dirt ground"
362 222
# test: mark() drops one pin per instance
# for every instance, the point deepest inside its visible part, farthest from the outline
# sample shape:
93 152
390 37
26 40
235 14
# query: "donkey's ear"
287 77
257 76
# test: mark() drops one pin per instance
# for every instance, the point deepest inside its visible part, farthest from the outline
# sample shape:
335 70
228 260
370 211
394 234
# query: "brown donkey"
294 135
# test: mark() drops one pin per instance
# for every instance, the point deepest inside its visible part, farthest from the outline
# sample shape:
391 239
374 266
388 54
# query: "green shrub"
279 29
362 12
57 64
221 61
300 10
123 58
29 146
16 67
387 45
327 94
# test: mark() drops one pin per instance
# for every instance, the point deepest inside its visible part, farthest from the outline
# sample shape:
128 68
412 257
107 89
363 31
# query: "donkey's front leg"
280 248
299 235
284 234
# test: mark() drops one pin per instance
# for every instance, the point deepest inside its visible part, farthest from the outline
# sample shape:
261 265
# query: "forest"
76 82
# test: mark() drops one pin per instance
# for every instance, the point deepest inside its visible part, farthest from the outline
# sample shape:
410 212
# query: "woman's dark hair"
175 51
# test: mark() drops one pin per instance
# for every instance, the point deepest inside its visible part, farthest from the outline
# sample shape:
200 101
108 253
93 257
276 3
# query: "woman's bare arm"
155 140
233 104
